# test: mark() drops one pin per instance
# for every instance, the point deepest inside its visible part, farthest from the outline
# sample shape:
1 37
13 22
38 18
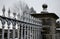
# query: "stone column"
53 29
3 23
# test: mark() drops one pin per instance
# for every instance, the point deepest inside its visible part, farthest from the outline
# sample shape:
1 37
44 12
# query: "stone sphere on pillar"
44 6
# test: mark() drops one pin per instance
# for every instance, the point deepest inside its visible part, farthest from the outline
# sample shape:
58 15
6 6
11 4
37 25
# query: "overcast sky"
53 5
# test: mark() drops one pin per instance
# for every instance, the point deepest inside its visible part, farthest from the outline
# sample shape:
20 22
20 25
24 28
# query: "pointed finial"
9 10
3 10
9 13
14 15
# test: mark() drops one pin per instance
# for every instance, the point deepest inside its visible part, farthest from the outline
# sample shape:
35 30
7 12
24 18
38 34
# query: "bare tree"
32 10
20 8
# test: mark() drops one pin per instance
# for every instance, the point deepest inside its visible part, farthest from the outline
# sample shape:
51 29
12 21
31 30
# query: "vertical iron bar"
20 31
13 33
2 31
8 33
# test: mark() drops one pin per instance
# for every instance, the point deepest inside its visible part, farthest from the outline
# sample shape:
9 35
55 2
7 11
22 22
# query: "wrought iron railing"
24 30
